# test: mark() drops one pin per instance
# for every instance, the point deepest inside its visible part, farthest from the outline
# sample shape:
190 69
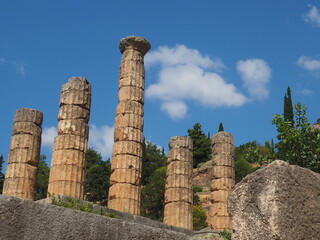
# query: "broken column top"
28 115
138 43
180 142
76 83
222 137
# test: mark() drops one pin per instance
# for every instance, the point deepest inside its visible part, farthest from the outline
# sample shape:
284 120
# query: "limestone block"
179 181
125 204
73 127
131 56
128 134
26 128
125 161
220 196
20 187
222 184
131 93
68 157
121 175
64 142
131 72
25 141
220 222
133 81
223 149
219 209
28 115
175 154
180 142
222 137
18 170
179 195
179 167
127 147
139 44
222 172
223 160
72 173
130 107
129 120
178 214
67 188
26 156
124 190
69 112
76 92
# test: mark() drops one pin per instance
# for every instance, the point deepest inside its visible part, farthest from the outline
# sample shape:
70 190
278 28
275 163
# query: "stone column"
125 179
21 175
178 192
222 180
70 146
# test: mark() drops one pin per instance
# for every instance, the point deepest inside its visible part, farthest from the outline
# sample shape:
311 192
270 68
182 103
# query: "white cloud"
175 109
305 92
313 16
184 76
308 63
255 74
47 137
20 67
101 139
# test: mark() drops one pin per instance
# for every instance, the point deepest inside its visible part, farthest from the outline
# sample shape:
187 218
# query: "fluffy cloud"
313 16
309 63
255 74
184 76
101 139
20 67
47 137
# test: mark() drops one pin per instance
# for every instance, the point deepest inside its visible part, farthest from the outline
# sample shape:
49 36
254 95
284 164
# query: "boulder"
279 201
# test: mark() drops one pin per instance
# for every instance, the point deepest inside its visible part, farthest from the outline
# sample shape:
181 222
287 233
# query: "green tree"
43 178
152 195
298 144
152 159
97 181
1 174
199 218
201 145
287 107
220 127
253 152
242 169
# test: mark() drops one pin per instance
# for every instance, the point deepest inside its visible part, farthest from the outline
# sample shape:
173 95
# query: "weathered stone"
202 176
176 155
222 172
23 160
70 112
68 157
220 196
128 134
223 160
179 194
223 149
222 184
178 214
129 107
279 201
223 137
125 179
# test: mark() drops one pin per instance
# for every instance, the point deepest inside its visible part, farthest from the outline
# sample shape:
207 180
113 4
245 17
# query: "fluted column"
222 180
178 192
23 160
125 179
70 146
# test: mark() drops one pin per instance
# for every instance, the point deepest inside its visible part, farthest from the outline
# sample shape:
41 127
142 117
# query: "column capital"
138 43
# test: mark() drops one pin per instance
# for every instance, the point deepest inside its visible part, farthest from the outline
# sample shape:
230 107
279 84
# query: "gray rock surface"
25 219
280 201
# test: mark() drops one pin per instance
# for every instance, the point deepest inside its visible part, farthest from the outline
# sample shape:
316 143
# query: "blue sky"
211 61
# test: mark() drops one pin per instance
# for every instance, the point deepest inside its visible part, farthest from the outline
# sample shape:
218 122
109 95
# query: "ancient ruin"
222 180
125 179
178 192
23 159
68 157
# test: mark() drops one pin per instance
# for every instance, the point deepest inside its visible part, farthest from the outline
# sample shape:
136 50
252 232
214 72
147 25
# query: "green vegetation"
298 144
242 169
225 234
42 178
1 174
97 181
201 145
287 107
199 218
220 129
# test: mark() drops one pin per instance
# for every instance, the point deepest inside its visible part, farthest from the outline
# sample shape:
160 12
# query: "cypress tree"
287 107
220 127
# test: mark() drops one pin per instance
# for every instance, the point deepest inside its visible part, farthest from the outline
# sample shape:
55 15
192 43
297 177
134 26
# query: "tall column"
70 146
21 175
222 180
125 179
178 192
